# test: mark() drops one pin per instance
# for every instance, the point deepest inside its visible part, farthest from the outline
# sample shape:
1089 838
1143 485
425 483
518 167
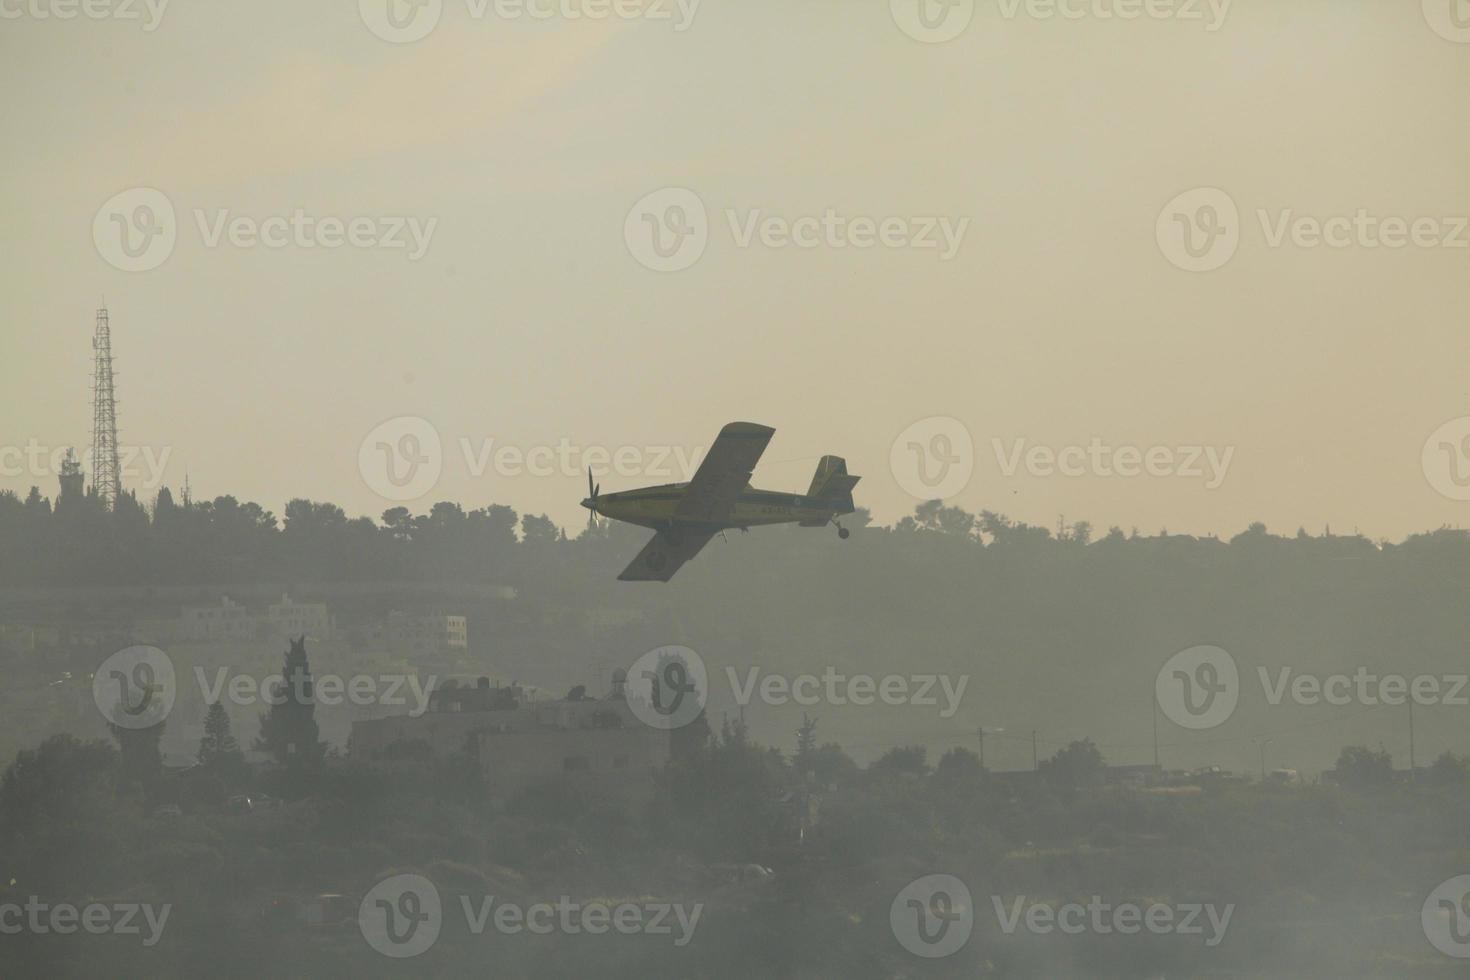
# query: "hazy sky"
518 147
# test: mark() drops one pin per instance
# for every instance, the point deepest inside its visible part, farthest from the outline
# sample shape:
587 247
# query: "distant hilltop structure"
70 478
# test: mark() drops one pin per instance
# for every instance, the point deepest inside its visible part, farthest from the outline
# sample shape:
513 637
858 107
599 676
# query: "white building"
411 633
229 621
309 619
519 743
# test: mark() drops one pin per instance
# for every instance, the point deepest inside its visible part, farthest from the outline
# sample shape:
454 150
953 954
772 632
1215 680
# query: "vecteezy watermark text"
933 917
934 459
1104 918
97 918
937 21
403 457
669 229
403 916
834 688
1189 462
568 459
139 465
1201 230
136 230
330 690
1200 687
148 12
1364 687
406 21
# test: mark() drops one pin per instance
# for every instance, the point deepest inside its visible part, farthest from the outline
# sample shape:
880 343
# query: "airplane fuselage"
685 516
655 507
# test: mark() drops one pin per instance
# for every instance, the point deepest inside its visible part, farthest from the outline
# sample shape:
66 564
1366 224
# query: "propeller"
591 502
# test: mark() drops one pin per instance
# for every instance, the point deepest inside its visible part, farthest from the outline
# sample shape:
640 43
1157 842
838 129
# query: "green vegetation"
1325 881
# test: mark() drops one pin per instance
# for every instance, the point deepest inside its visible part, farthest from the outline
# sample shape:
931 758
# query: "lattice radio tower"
106 470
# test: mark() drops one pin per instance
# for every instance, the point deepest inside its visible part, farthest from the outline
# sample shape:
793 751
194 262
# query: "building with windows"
421 634
518 743
226 622
289 618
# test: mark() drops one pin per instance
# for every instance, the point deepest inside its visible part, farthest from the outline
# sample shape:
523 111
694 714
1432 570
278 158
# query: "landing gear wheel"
843 532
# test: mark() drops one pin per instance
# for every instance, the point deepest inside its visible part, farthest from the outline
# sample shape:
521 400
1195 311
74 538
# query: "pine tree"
218 750
806 736
288 731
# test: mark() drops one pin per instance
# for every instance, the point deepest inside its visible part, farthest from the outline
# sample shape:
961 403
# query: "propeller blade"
591 491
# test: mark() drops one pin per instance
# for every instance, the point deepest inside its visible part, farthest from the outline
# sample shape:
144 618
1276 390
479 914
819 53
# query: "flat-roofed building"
415 633
290 618
519 743
226 622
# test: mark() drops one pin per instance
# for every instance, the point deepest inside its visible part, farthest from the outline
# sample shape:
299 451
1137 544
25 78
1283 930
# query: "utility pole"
1264 742
1153 703
981 732
1034 766
1413 772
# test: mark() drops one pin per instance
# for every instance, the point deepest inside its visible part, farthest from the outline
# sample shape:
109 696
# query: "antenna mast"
106 470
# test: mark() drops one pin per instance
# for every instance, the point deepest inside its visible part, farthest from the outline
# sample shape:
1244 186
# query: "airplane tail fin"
832 484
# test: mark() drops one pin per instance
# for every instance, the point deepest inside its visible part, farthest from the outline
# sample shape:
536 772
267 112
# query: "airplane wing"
724 473
665 553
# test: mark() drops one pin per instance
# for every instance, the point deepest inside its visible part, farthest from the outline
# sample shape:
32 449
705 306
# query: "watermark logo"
1199 230
667 230
135 688
62 919
934 458
142 466
832 229
401 916
301 229
667 687
406 21
1446 459
1450 19
1211 12
1362 229
932 21
1199 687
401 458
149 12
400 21
330 690
933 916
1366 688
1105 918
572 918
1097 458
837 689
1446 917
135 230
568 459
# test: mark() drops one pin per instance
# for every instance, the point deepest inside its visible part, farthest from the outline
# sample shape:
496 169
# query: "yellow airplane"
686 515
